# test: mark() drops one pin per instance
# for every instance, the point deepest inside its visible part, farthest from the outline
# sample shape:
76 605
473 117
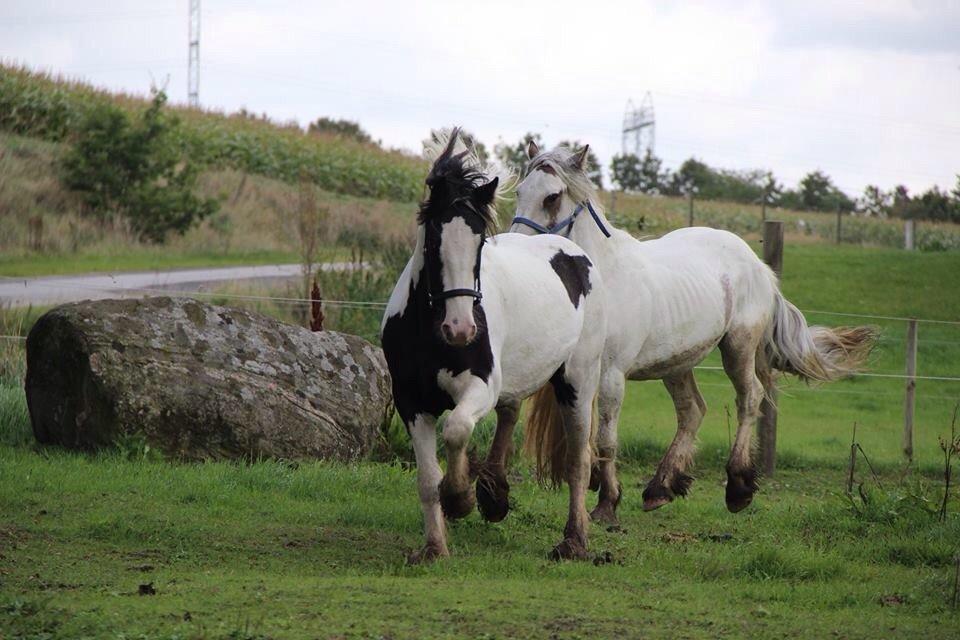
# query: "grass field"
273 550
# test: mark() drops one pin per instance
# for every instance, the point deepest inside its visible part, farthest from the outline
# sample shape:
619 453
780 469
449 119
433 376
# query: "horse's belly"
665 353
665 362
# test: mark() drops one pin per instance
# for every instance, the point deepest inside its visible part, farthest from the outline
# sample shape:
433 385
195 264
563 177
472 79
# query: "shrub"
135 169
34 104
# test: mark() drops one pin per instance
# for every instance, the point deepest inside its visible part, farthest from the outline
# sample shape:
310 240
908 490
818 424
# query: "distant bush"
136 169
345 128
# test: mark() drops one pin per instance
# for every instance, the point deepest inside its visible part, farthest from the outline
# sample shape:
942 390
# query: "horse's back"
540 296
721 259
703 283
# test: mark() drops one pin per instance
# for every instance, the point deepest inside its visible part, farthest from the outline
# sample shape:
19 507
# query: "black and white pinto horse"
479 322
669 303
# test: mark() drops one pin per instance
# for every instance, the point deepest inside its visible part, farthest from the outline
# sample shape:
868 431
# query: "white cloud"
869 93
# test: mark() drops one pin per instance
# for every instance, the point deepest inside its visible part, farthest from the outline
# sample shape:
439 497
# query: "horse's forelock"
455 173
559 162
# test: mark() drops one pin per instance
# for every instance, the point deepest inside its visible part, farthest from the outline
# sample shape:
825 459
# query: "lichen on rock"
198 381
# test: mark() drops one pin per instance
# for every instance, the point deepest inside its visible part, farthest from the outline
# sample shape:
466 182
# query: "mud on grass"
275 551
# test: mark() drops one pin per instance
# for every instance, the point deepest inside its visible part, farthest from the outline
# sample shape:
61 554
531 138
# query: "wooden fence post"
690 220
767 425
908 234
839 224
909 396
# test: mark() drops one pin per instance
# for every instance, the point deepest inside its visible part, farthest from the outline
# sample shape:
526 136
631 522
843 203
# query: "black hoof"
741 485
569 549
657 494
493 495
455 505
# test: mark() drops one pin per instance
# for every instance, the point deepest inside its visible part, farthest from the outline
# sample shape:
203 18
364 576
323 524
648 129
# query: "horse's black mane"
450 180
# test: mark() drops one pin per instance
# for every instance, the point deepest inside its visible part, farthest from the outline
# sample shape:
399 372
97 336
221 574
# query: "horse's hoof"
741 485
493 496
456 505
655 503
569 549
605 513
657 494
428 554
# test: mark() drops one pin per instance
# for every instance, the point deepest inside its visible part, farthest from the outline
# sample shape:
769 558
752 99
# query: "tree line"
814 192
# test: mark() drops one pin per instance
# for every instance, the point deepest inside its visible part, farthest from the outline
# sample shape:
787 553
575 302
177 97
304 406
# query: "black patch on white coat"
564 391
574 273
415 354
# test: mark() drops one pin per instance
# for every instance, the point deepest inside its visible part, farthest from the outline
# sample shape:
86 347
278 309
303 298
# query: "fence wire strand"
378 304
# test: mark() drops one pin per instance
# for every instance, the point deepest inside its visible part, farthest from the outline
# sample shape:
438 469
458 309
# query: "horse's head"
456 218
553 187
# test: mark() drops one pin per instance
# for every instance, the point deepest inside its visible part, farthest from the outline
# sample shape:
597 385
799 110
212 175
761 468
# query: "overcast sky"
867 91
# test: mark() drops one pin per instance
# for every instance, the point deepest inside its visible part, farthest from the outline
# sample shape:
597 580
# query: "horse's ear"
483 195
532 150
580 157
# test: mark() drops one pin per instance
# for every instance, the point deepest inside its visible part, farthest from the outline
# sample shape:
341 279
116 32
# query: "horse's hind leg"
739 350
575 395
609 402
423 432
671 479
493 490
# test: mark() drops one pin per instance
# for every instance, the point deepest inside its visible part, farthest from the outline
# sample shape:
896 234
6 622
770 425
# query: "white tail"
815 353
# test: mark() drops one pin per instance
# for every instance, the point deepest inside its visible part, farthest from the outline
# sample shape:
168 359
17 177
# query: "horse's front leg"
473 402
423 432
493 490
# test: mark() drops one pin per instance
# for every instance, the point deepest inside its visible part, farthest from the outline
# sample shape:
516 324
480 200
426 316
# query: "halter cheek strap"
566 222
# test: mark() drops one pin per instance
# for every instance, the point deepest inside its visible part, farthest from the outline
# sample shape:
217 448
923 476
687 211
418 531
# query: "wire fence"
380 304
375 305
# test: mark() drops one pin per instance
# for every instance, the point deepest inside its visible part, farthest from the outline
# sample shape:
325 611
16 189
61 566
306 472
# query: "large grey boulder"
198 381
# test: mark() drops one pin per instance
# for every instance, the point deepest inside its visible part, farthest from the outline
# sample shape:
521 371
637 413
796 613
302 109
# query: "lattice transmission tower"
639 127
193 63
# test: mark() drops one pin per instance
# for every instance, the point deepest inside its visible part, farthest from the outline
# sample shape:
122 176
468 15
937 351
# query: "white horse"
669 303
452 346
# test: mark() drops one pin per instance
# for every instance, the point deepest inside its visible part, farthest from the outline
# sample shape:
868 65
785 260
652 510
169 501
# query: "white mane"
562 161
437 142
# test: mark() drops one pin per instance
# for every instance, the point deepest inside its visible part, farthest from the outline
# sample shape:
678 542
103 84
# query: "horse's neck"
588 236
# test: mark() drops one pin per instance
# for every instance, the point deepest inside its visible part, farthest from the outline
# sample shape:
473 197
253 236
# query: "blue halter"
564 224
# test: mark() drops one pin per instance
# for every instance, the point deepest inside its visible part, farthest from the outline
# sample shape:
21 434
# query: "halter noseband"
565 223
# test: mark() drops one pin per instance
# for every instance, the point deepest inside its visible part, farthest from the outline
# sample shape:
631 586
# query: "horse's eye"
550 200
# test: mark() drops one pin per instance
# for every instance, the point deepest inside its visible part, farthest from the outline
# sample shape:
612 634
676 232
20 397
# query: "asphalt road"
50 290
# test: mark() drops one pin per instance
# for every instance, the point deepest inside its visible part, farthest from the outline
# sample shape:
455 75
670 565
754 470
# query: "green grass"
317 551
273 550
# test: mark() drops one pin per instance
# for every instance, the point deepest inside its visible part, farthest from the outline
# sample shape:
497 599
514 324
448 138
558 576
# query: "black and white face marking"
452 250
